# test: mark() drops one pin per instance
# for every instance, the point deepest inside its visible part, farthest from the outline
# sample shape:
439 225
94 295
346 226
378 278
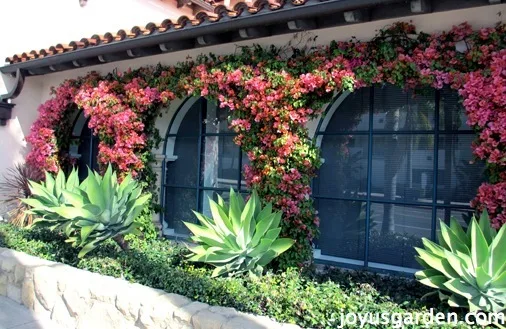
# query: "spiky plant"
48 195
240 237
467 267
14 186
92 212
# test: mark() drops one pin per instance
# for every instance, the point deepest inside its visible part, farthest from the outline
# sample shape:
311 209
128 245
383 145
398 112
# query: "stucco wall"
78 299
36 90
12 143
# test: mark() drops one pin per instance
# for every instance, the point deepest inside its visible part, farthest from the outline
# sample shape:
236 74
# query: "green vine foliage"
272 93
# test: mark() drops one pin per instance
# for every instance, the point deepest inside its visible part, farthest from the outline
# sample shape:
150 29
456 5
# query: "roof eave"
288 13
311 14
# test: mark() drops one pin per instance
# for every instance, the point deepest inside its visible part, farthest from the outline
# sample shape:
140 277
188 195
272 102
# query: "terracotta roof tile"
221 10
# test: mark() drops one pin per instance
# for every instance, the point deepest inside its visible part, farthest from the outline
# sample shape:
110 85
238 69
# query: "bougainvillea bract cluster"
272 93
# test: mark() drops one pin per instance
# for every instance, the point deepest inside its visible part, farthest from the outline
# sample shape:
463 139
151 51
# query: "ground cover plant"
309 299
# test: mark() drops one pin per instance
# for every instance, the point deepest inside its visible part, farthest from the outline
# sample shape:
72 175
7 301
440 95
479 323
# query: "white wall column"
157 168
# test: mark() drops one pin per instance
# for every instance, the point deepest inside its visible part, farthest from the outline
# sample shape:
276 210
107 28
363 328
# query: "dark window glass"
88 152
397 110
216 119
352 114
178 205
452 115
394 232
83 146
220 162
403 195
463 216
344 170
183 171
458 176
190 126
342 228
402 166
203 160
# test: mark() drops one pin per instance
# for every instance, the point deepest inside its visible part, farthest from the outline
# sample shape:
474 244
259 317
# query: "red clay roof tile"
221 9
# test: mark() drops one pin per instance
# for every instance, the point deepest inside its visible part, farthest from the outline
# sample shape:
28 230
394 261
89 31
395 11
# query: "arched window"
377 192
202 161
83 146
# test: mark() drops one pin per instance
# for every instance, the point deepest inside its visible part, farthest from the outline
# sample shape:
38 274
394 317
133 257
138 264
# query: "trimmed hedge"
309 299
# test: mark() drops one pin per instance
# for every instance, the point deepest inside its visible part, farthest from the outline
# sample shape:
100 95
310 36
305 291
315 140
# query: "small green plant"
468 268
309 299
239 238
98 209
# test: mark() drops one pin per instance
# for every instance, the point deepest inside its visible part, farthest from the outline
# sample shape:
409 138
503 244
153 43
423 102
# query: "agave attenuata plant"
48 195
97 209
240 237
468 268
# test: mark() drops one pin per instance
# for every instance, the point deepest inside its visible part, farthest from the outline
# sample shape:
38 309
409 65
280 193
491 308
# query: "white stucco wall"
36 90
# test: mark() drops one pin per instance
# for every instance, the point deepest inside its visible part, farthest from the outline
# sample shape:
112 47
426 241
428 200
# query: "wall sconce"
5 112
5 100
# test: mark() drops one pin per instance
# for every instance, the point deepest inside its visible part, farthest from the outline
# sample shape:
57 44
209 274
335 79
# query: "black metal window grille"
378 192
203 162
83 146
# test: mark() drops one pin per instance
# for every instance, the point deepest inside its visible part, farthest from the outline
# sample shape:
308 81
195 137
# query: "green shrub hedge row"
309 299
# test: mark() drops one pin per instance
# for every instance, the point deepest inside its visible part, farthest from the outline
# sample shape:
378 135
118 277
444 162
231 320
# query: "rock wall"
80 299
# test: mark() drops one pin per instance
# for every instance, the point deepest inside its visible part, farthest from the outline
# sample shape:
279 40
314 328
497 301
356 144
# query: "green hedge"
310 300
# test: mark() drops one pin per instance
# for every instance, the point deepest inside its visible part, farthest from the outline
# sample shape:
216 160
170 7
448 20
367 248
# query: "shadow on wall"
13 147
12 150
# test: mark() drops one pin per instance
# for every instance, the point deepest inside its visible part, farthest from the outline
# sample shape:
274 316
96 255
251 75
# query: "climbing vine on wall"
272 93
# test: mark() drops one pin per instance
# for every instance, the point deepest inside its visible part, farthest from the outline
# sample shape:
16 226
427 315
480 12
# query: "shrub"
144 223
468 268
240 237
311 300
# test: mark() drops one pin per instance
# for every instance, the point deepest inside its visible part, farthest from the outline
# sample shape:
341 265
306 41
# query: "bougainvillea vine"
272 93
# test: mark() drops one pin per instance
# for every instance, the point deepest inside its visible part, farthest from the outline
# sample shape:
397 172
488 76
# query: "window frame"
92 161
201 136
435 205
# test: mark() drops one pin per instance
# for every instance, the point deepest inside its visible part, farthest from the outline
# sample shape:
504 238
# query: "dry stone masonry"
78 299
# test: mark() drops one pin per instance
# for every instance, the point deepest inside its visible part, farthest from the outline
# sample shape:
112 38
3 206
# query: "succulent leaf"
484 223
497 252
457 229
471 265
435 281
239 238
479 246
88 212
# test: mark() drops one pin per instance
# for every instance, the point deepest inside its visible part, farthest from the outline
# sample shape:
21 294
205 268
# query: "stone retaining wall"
80 299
